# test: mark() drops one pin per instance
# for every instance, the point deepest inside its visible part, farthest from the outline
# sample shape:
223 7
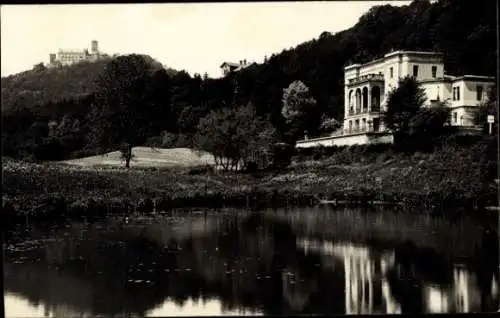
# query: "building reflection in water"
437 301
366 277
359 272
391 305
463 296
467 296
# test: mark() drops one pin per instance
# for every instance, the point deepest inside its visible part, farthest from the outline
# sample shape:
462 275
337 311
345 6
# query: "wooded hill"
42 86
463 30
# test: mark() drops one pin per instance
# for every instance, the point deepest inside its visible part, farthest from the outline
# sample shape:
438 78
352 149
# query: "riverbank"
453 177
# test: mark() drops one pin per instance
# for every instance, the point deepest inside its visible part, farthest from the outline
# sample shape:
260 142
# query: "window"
479 92
455 117
434 71
415 70
391 72
456 93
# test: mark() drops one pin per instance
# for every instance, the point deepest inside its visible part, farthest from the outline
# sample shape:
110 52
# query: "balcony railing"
368 77
353 112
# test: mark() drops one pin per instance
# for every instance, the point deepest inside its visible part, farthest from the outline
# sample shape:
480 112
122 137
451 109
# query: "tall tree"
161 89
181 97
123 109
299 107
234 135
403 104
428 124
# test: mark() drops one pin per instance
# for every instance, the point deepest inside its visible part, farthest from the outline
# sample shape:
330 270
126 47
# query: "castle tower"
94 47
52 58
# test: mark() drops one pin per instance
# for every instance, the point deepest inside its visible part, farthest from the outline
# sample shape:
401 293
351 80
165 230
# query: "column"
369 98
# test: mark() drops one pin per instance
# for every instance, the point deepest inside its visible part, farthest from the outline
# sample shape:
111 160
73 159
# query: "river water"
320 260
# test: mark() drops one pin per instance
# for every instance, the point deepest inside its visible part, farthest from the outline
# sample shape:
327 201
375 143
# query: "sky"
196 37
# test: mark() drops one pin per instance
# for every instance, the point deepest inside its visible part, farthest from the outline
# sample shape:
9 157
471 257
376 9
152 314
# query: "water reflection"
237 264
19 307
378 283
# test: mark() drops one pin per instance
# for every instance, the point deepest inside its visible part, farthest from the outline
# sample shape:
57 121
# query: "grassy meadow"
449 177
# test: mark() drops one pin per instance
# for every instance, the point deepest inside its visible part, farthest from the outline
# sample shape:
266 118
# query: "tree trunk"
233 165
128 156
224 164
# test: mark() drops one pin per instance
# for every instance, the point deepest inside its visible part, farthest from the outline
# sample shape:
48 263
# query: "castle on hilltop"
367 86
72 56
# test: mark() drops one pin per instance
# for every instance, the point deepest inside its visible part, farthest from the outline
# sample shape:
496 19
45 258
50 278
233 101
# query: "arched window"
358 100
365 98
351 102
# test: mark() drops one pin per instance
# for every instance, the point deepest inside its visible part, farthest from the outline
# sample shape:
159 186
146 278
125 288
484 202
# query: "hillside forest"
90 108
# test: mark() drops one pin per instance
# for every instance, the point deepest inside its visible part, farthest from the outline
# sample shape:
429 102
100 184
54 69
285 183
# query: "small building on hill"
366 88
230 67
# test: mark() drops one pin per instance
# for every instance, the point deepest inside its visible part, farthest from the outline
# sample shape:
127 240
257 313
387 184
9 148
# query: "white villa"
367 87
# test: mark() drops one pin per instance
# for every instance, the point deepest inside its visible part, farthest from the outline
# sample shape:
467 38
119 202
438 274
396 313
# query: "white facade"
367 87
347 140
68 57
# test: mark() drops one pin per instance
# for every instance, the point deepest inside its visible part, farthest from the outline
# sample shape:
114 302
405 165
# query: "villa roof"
401 52
240 67
404 52
478 78
230 64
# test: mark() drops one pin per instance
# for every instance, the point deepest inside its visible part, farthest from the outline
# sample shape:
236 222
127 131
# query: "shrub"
281 155
318 153
168 140
154 142
251 167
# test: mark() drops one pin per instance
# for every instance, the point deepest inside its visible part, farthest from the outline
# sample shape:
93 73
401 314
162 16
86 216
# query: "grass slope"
147 157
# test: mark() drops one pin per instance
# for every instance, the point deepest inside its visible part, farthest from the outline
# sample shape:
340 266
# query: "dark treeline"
45 111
